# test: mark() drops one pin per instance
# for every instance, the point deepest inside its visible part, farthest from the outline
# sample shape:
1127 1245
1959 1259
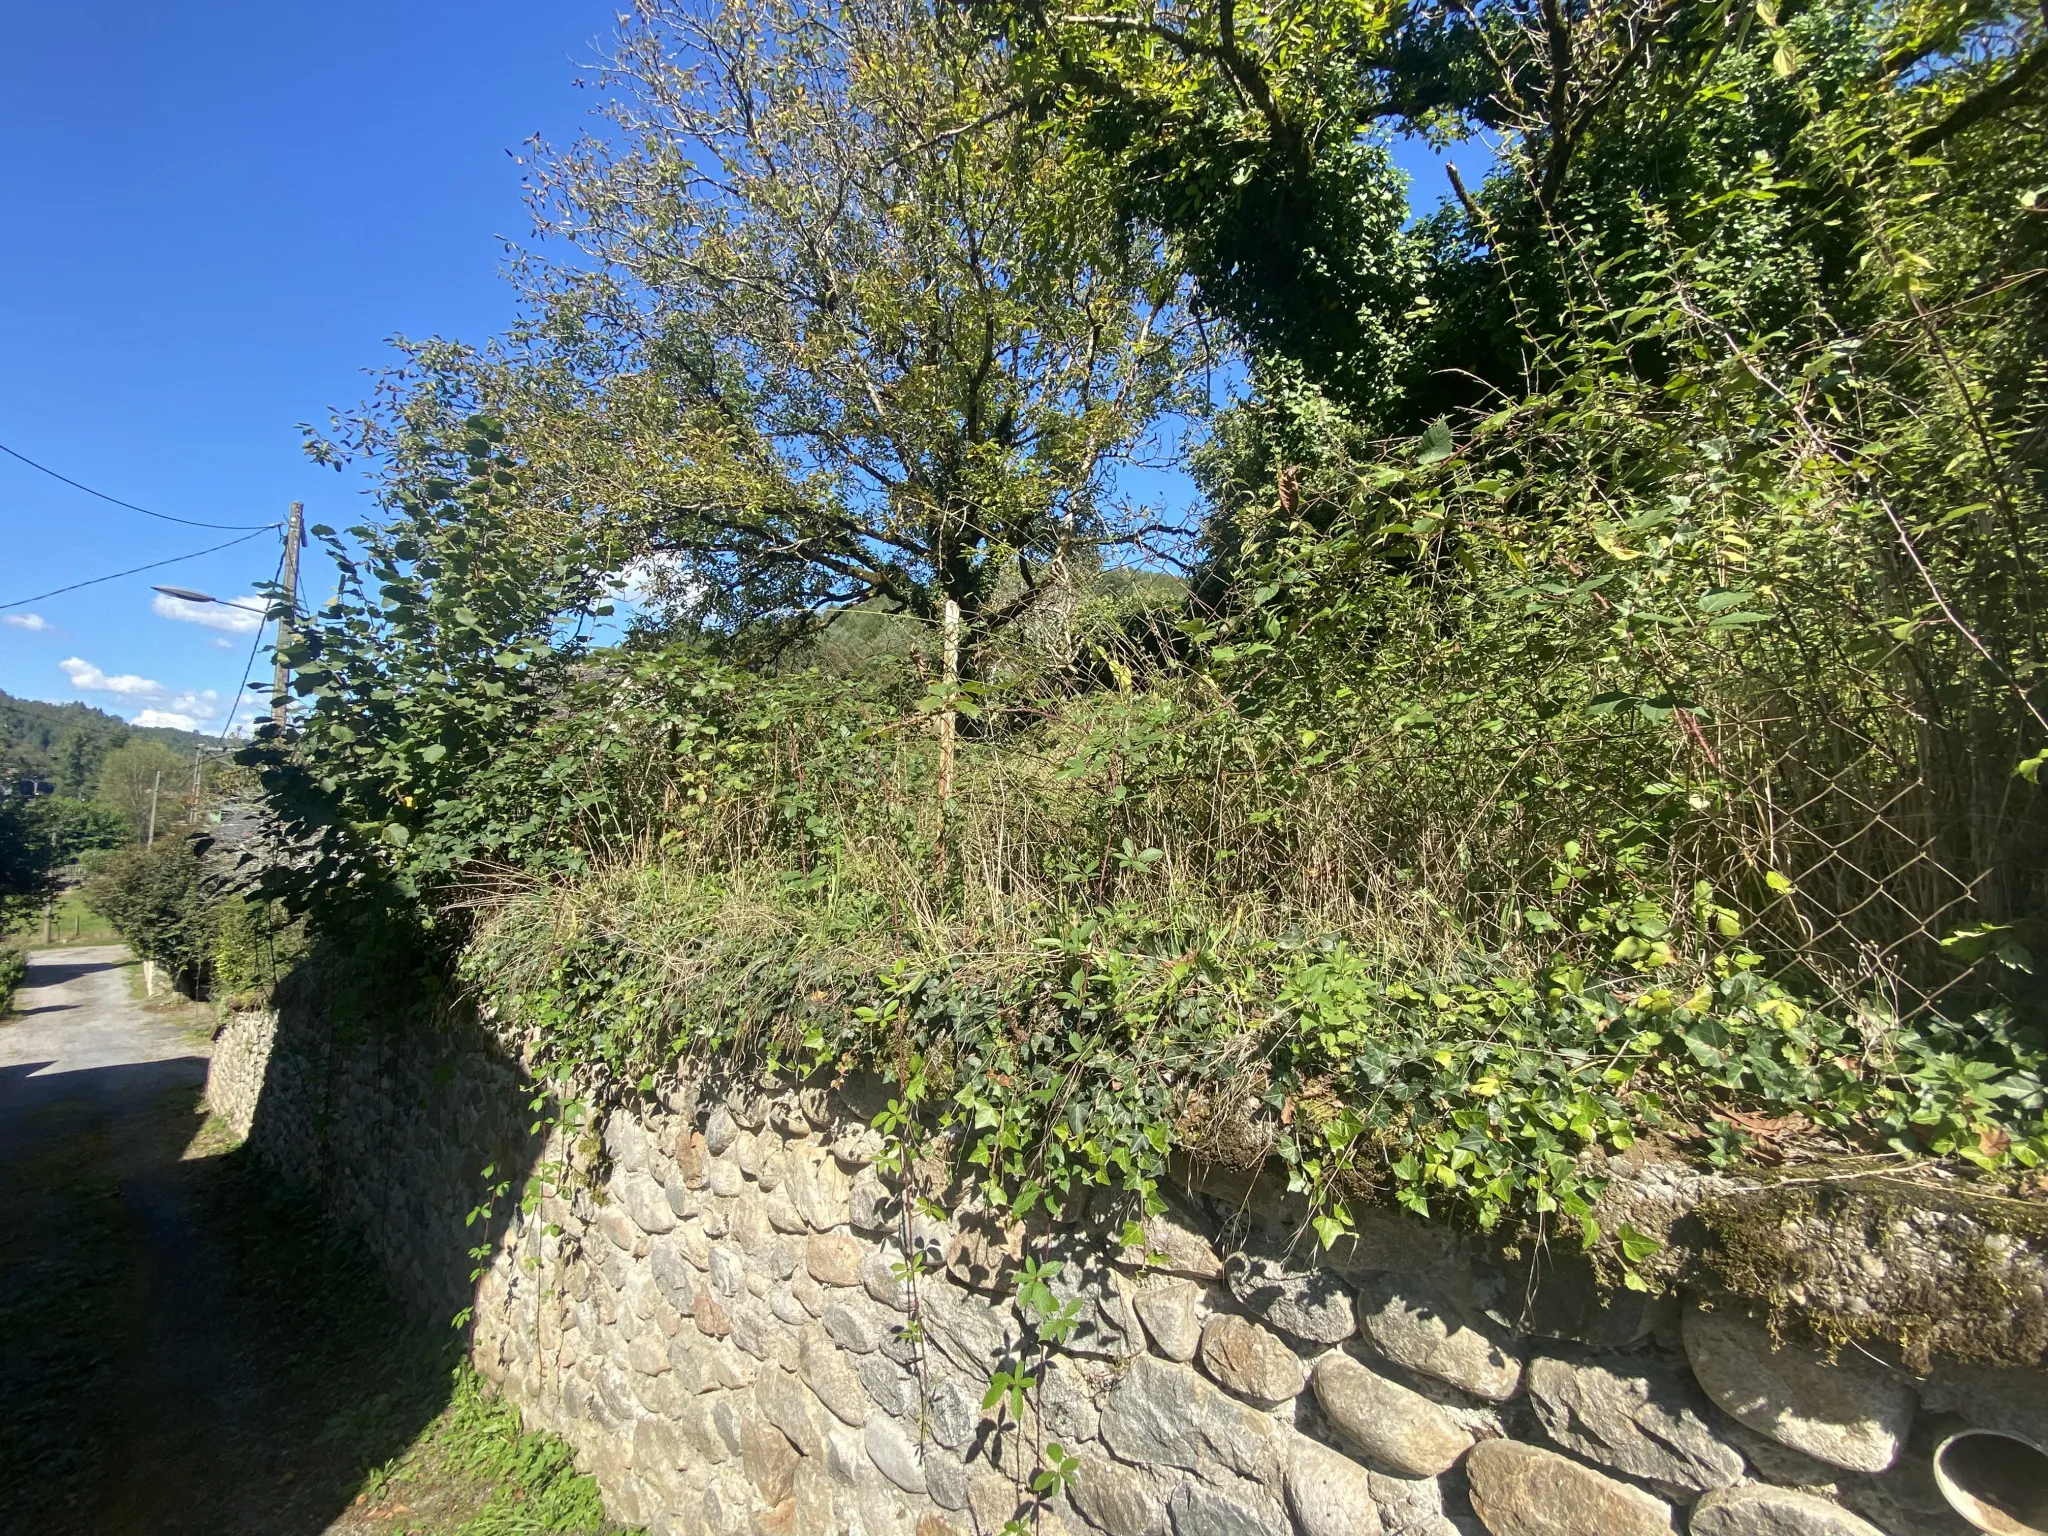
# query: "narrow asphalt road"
77 1014
181 1350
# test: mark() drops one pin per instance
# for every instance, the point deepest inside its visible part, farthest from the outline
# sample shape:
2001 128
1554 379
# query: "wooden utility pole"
50 911
194 817
155 785
280 688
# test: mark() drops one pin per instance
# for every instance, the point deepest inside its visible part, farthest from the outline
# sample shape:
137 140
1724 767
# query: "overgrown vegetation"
1608 704
255 943
212 941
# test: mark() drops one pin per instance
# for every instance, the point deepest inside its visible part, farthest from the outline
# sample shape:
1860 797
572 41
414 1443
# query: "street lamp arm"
187 595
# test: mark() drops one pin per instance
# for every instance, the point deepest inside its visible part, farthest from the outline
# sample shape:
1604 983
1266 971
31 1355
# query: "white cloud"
162 706
236 621
87 678
169 718
650 576
34 621
223 645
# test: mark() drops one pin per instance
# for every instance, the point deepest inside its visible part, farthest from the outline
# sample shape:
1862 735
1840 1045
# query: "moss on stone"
1932 1272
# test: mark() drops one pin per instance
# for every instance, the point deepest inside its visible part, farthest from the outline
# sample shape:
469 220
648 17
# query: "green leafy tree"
443 647
26 868
78 755
38 837
138 772
154 899
845 325
75 827
1240 136
1248 138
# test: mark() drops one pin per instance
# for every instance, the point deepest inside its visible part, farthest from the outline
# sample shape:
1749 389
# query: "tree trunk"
949 717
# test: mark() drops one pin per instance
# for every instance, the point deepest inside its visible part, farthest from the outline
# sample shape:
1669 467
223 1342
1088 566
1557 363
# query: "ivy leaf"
1436 444
1636 1246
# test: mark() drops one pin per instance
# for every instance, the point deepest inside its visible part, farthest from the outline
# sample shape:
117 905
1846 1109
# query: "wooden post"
50 911
280 688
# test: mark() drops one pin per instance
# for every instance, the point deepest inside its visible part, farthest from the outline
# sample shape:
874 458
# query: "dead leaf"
1768 1126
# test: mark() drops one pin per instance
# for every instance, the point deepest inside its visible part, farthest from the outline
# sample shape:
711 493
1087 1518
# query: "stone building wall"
713 1303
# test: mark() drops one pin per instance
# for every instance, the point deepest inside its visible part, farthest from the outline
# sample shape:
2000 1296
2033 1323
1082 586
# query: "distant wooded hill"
67 743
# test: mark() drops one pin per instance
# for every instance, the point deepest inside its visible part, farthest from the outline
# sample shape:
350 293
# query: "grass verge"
474 1471
71 923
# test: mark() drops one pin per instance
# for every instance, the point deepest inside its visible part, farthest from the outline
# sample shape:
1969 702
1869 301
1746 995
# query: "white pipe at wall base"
1997 1482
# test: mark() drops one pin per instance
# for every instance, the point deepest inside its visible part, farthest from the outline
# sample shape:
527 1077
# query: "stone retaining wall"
395 1133
715 1306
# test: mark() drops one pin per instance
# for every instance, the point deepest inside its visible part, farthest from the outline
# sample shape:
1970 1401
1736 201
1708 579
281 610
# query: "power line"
255 648
117 501
135 569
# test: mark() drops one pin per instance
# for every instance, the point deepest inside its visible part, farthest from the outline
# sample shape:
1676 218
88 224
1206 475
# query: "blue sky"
217 213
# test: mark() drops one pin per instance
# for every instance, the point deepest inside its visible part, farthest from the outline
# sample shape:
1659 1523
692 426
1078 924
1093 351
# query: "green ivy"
1079 1065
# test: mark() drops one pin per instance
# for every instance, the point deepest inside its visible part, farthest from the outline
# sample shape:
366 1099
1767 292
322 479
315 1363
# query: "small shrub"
13 972
153 899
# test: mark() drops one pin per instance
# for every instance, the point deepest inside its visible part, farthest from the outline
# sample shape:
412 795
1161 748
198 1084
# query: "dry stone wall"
723 1304
395 1133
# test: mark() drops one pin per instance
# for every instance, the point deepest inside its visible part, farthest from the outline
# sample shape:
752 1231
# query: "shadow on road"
55 973
185 1345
